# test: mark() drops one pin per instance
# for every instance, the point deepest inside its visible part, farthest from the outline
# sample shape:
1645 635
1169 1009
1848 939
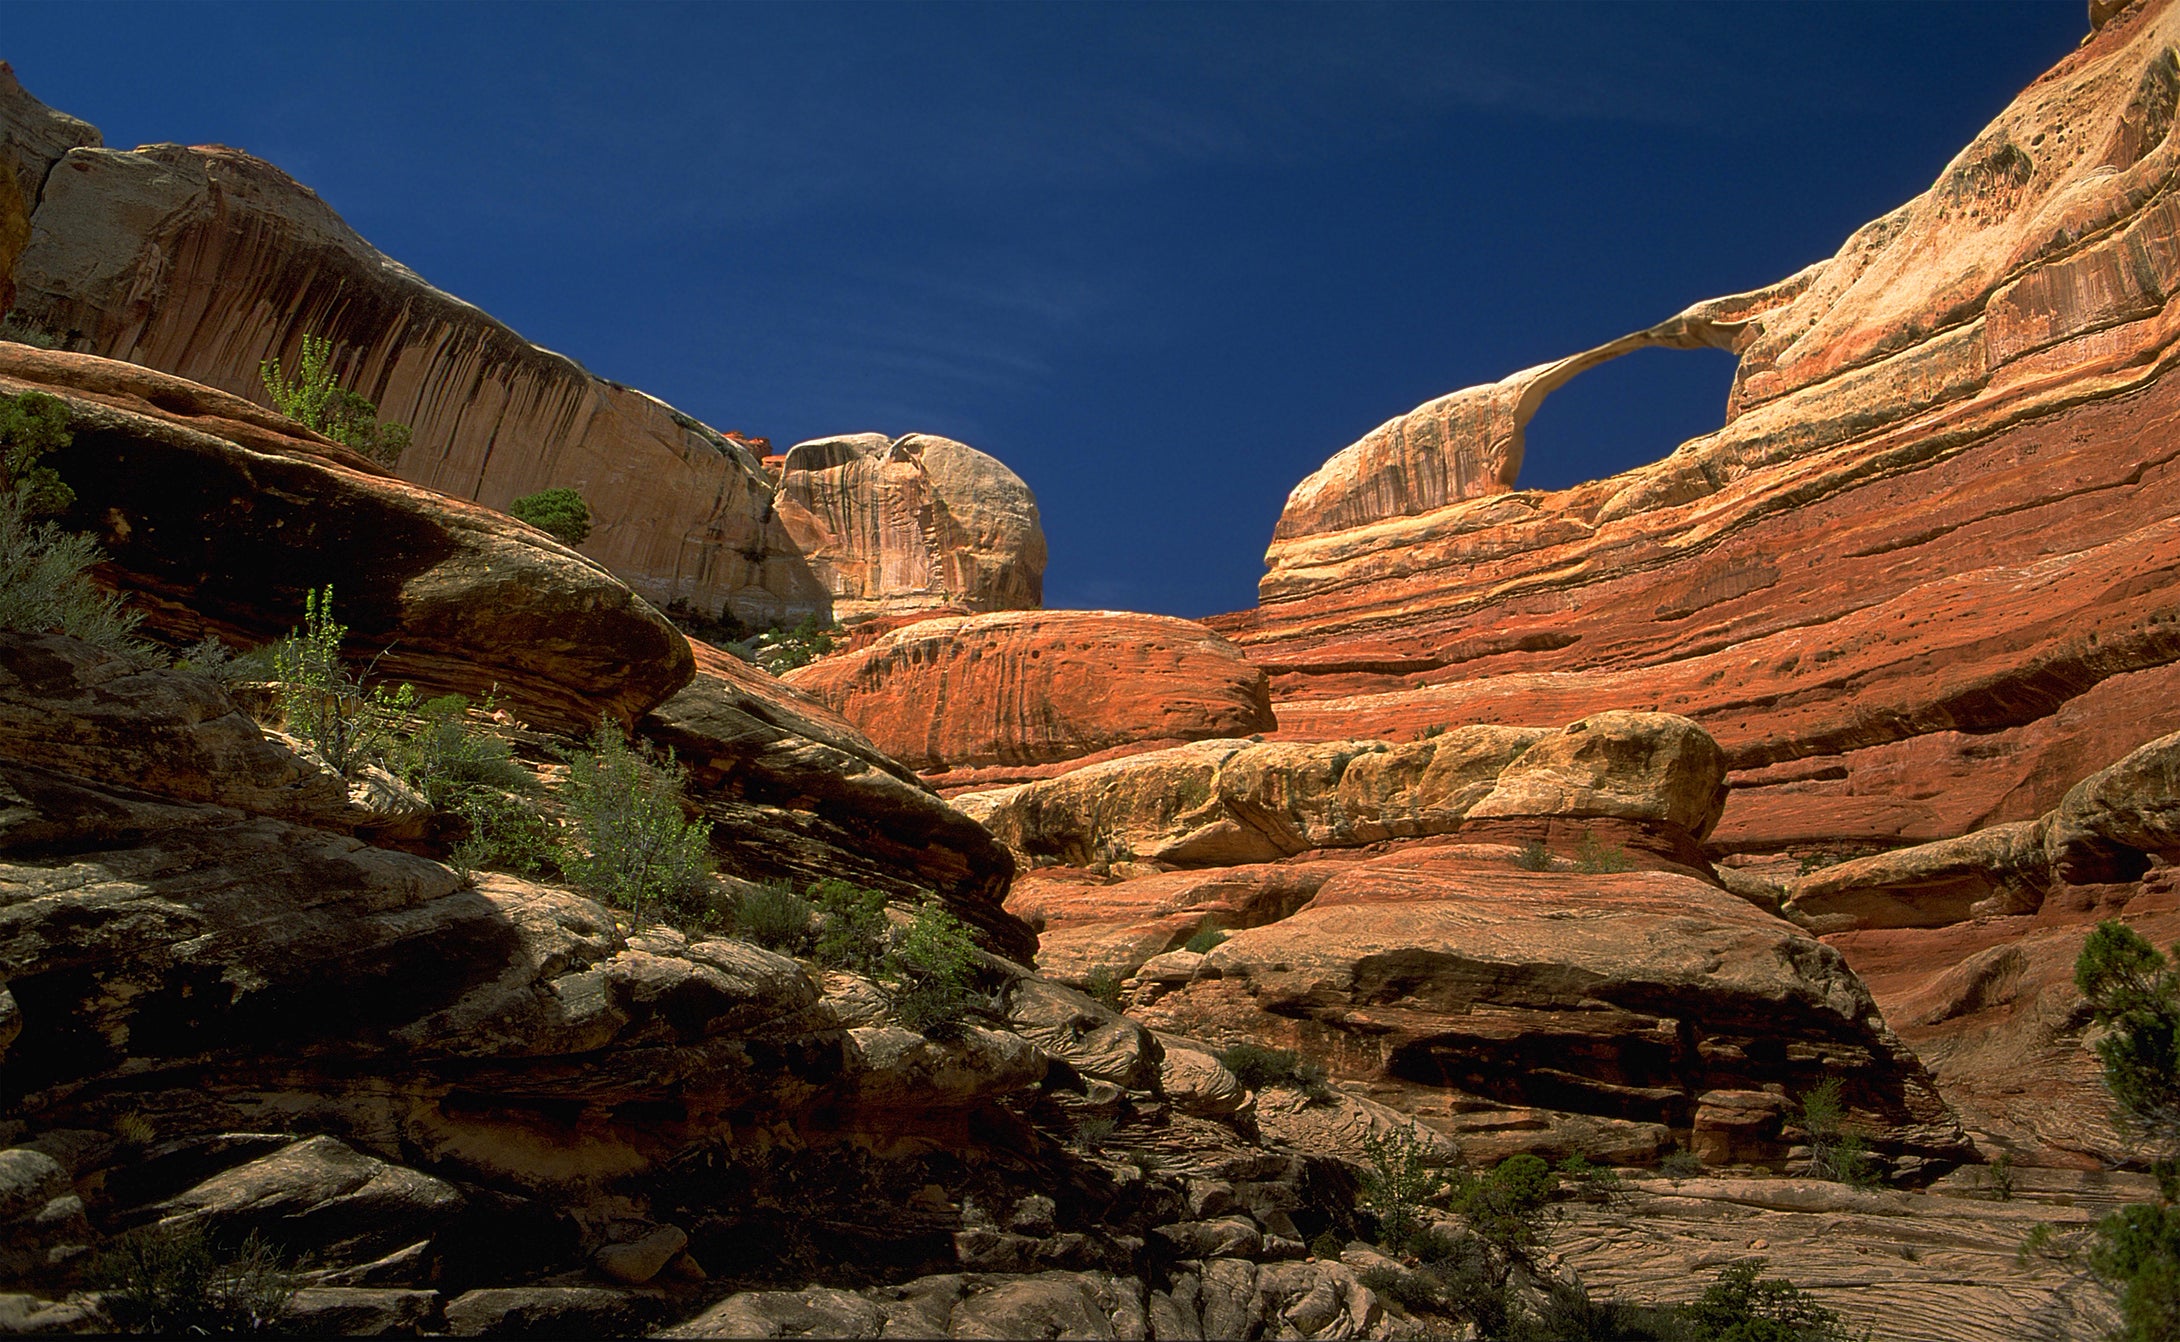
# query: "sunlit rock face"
911 523
990 698
205 261
1924 577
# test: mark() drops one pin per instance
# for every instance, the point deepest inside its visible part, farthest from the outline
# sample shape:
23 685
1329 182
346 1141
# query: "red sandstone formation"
203 261
1034 688
1925 576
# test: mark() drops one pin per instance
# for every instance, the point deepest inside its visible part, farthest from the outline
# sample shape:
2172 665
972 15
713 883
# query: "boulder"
551 1311
2108 826
319 1197
1232 803
360 1311
891 525
2002 869
820 1311
1653 767
1039 687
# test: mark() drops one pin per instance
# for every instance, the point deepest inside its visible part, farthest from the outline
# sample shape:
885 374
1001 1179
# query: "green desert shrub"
1104 986
627 842
1681 1163
2133 993
783 649
322 703
45 572
776 918
1258 1068
1204 940
210 656
933 967
179 1283
1404 1176
23 331
310 397
471 772
559 513
1836 1151
1743 1306
1594 858
852 928
1534 856
32 425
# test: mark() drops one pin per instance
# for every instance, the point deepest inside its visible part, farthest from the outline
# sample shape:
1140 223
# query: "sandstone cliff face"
1923 578
203 261
983 696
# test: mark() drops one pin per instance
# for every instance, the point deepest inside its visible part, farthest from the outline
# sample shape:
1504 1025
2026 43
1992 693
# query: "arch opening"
1626 412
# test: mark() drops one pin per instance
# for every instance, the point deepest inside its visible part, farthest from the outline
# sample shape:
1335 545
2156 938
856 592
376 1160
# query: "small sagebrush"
776 918
1204 940
1260 1068
628 842
178 1283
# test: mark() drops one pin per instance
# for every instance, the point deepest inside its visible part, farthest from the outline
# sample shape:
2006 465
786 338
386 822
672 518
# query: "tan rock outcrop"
1227 803
1039 687
911 523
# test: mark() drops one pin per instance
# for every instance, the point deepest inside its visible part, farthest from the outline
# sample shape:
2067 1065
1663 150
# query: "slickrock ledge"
219 521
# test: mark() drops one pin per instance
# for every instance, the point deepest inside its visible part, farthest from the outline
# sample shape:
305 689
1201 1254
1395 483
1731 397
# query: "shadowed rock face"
219 520
1039 688
219 516
1921 580
204 261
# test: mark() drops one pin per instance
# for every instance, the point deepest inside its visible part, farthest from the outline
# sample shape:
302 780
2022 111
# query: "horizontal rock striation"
1230 803
1011 688
1607 1014
1920 581
204 261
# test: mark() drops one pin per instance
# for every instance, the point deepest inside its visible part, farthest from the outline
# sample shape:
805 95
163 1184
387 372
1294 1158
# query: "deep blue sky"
1161 259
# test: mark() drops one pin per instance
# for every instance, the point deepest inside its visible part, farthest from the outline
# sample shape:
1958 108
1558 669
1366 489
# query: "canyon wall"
204 261
1921 580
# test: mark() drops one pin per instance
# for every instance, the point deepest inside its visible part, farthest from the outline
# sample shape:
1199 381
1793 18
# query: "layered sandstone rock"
33 137
1921 580
223 1011
795 794
911 523
1559 1011
1228 803
1039 688
204 261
